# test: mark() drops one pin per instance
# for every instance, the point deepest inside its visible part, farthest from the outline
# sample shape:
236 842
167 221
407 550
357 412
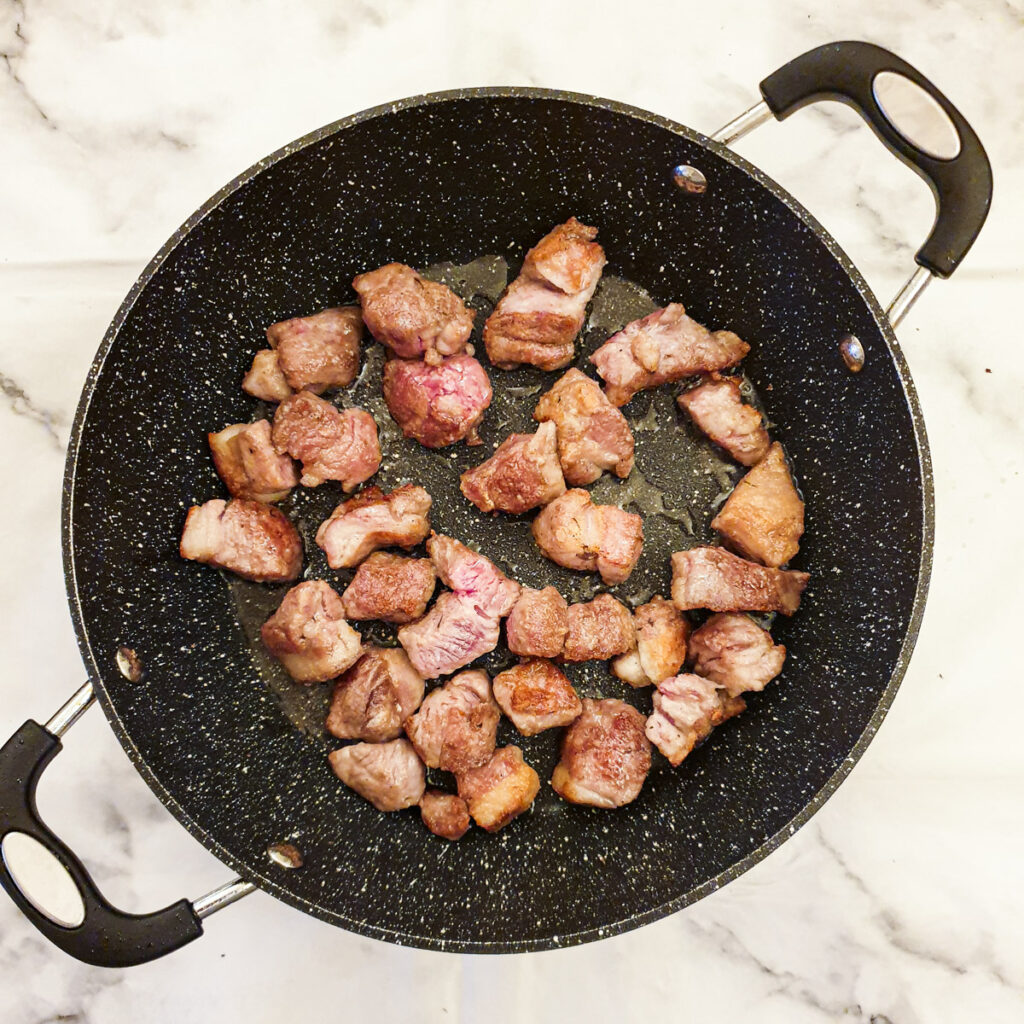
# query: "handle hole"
916 115
40 876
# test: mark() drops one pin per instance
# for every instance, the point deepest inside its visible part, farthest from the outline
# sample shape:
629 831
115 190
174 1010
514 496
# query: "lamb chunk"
308 633
522 474
373 519
538 623
661 635
578 534
686 709
412 316
469 573
499 790
375 696
445 814
664 346
265 380
389 775
718 409
536 695
592 434
391 588
252 540
456 725
605 756
330 444
715 579
537 319
319 352
736 653
599 629
437 404
763 518
247 462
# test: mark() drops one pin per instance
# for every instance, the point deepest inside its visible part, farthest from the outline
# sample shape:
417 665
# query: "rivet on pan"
689 179
285 855
129 664
852 352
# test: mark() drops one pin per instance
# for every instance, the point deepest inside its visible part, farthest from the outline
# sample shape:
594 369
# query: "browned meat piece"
252 540
536 695
375 696
538 623
605 756
661 635
592 434
308 634
578 534
718 409
537 319
389 775
390 587
736 653
664 346
412 316
763 518
318 352
373 519
331 444
445 814
456 724
686 709
599 629
522 474
265 379
715 579
469 573
248 463
500 790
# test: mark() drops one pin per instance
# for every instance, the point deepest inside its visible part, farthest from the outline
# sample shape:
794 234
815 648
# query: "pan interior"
464 185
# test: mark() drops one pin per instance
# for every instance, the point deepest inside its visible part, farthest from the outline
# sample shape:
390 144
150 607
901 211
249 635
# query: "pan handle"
104 936
960 175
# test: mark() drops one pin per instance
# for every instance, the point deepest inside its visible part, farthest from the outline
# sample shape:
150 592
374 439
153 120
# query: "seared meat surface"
455 726
592 434
331 444
736 653
715 579
686 709
718 409
412 316
598 630
252 540
578 534
375 696
389 775
248 463
763 518
437 404
537 319
661 635
605 756
499 790
371 520
664 346
265 379
538 623
318 352
390 587
445 814
523 473
536 695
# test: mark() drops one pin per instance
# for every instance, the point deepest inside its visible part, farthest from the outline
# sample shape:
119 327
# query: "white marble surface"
902 900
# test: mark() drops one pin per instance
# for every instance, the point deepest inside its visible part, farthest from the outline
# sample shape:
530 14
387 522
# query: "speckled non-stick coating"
454 178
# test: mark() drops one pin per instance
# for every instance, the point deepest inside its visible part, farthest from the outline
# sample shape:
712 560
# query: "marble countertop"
901 901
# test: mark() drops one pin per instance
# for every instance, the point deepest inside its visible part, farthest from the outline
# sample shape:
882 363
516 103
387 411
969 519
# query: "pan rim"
262 879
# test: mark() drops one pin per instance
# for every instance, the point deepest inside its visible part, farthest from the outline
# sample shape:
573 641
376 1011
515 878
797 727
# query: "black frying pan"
238 754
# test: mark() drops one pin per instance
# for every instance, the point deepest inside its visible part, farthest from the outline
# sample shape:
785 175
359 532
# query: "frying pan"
463 183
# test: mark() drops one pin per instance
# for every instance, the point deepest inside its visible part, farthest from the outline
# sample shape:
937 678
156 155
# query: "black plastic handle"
962 185
108 937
